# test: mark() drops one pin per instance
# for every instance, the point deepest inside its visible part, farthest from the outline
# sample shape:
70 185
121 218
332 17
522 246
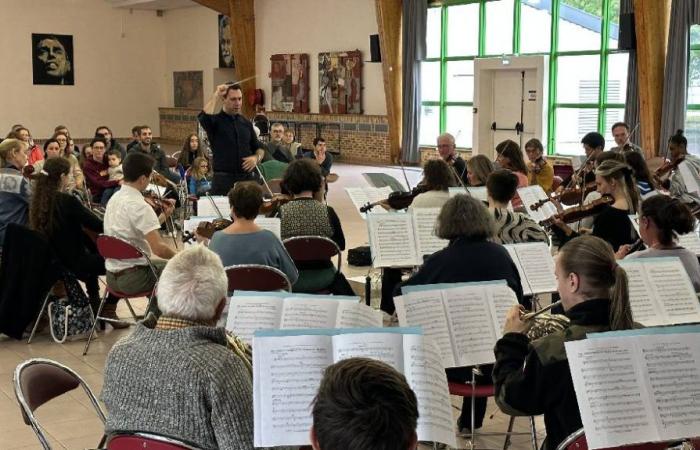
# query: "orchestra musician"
15 189
593 145
510 157
447 150
645 181
621 134
533 378
677 184
540 171
479 167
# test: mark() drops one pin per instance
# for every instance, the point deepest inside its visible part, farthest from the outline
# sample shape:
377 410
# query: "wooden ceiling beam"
220 6
243 47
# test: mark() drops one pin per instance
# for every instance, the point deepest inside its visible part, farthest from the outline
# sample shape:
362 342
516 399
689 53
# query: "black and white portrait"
225 51
52 59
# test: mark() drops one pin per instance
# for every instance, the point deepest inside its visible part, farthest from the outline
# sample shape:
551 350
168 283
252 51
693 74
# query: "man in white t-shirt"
130 218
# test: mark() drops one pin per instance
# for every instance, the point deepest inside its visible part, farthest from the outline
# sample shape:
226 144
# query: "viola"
272 205
154 201
580 212
397 199
666 168
207 229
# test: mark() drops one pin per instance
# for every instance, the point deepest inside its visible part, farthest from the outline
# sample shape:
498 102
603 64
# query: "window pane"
572 125
695 35
430 81
499 27
580 25
692 131
433 33
617 77
694 77
578 79
535 26
463 30
460 81
459 123
614 27
429 125
612 115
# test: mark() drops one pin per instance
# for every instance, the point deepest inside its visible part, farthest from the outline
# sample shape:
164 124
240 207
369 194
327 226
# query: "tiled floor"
71 422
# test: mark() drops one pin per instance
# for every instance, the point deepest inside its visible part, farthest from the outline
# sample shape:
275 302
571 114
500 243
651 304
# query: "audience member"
69 144
34 152
198 181
51 150
110 143
135 137
97 174
75 176
85 154
277 149
189 152
321 156
15 190
147 146
114 161
294 148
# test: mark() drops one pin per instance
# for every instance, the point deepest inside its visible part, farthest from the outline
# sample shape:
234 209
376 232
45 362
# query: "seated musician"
306 215
277 149
612 223
175 375
590 194
447 150
533 378
61 218
198 179
15 190
645 181
364 404
470 256
511 227
96 173
130 218
621 134
321 156
677 184
244 242
511 157
437 179
593 145
479 167
540 171
661 220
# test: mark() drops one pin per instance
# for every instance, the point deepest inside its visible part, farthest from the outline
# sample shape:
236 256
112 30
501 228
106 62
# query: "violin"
159 180
580 212
154 201
570 196
397 199
269 207
207 229
666 168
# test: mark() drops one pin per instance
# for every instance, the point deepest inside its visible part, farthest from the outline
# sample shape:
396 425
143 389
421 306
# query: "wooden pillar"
389 14
652 19
242 13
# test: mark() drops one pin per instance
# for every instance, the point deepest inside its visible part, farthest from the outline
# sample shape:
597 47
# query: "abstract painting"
340 82
188 89
290 82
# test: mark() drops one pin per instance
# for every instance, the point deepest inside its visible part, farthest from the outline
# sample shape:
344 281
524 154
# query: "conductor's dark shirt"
232 138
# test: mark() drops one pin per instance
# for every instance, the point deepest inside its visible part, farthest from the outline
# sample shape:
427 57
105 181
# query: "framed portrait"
225 50
188 89
340 82
290 85
52 59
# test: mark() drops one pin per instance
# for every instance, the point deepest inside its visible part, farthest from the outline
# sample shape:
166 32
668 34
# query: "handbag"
360 256
70 317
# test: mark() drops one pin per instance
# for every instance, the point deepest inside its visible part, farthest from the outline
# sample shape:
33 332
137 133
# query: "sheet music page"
249 314
610 391
471 325
270 223
527 290
360 196
287 376
645 308
205 207
457 190
426 309
690 241
674 290
424 225
501 300
391 240
357 315
537 265
308 313
530 195
426 376
385 347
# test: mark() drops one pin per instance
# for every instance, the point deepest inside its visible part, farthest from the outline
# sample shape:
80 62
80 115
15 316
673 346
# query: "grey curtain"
684 13
415 13
632 102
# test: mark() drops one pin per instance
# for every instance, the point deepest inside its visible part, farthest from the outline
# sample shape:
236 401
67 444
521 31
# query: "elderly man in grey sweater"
175 376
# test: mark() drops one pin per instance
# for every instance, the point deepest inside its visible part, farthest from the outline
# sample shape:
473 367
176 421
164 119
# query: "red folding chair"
37 381
150 441
313 248
119 249
256 277
577 441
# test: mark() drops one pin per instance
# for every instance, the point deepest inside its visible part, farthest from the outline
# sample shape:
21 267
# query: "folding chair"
256 277
116 248
39 380
313 248
577 441
150 441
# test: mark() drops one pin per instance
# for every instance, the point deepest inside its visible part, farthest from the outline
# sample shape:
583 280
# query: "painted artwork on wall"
340 82
225 50
188 89
290 82
52 59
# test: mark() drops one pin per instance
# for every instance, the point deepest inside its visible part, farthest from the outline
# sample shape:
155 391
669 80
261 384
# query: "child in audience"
198 183
114 160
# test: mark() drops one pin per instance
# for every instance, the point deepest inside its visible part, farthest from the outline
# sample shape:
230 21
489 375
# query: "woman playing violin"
540 171
437 179
678 185
612 224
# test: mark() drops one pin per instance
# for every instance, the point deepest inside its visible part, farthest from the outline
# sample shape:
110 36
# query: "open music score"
637 386
272 224
401 239
206 207
535 266
360 196
288 367
464 320
250 311
531 195
478 192
661 292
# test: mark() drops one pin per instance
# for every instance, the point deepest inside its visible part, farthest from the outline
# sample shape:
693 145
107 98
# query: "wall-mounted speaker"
628 39
374 50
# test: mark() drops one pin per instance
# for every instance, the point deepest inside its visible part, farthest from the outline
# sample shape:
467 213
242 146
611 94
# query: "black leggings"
88 269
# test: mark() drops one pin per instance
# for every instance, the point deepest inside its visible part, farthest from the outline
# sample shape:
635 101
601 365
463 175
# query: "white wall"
313 26
119 61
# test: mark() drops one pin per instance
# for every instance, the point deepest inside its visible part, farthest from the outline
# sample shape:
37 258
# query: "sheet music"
424 226
425 309
308 313
360 196
158 190
248 314
357 315
530 195
645 308
205 207
384 347
287 375
502 299
536 264
270 223
527 290
690 241
425 373
391 240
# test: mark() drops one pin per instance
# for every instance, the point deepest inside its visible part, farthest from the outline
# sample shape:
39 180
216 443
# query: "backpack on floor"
70 318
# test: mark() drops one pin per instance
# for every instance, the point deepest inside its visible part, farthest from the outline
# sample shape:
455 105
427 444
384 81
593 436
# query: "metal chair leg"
131 309
94 324
38 318
506 441
533 433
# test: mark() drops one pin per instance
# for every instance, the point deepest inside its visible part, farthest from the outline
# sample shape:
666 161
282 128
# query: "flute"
532 315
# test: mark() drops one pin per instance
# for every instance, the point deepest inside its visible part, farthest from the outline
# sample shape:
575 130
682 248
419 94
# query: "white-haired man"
447 150
175 376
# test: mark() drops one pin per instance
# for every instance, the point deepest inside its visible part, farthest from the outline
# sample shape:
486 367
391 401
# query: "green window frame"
692 117
601 105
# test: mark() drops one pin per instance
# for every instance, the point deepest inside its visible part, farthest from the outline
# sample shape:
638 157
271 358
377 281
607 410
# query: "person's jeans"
107 194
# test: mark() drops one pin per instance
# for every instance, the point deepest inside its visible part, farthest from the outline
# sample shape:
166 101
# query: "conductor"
235 146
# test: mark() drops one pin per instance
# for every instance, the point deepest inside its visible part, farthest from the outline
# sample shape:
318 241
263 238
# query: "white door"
511 88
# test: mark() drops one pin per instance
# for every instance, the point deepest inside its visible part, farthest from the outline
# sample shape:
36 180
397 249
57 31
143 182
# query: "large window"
587 79
692 117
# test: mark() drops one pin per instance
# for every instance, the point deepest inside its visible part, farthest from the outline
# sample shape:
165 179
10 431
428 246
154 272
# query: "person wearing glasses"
446 149
198 182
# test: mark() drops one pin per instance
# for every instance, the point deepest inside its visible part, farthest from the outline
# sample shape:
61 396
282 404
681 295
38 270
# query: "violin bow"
264 180
213 204
169 221
405 177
